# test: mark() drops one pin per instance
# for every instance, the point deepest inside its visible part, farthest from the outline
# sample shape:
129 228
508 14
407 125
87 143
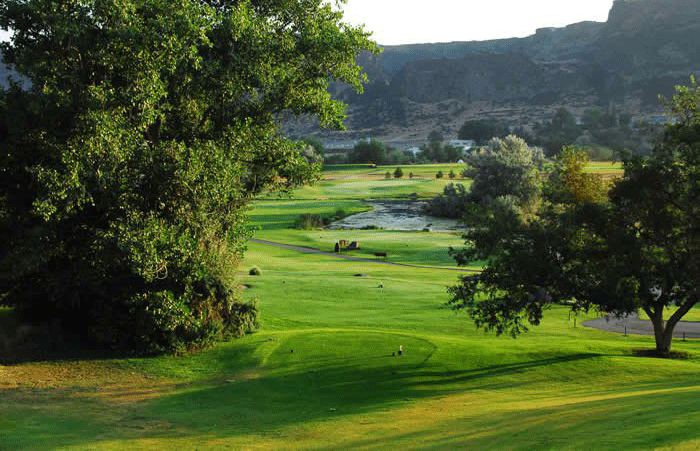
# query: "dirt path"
631 324
308 250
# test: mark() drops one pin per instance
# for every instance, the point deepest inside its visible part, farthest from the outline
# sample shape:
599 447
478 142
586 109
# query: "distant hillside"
642 50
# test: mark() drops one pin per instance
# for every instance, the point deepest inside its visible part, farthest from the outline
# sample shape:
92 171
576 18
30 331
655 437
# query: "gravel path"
309 250
633 325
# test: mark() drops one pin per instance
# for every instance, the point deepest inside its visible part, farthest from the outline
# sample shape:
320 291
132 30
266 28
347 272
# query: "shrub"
439 175
452 203
452 175
398 173
310 221
387 175
255 271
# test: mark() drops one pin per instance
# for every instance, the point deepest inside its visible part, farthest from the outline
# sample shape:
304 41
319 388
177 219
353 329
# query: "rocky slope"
643 50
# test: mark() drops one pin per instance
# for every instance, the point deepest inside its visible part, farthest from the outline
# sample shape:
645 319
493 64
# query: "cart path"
635 326
309 250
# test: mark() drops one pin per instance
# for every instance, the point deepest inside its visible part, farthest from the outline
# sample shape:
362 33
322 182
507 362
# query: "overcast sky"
409 22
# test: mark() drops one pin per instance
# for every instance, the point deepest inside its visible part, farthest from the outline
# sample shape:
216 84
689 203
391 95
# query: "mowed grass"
365 182
322 373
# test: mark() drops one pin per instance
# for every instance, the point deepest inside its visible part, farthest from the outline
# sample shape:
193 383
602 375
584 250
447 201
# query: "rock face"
643 50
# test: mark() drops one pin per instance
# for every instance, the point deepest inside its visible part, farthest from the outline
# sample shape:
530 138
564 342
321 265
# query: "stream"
395 215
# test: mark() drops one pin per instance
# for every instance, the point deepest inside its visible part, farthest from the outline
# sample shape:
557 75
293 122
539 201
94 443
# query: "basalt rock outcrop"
643 50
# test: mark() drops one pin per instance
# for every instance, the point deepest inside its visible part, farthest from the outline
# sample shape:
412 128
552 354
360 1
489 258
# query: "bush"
310 221
255 271
410 175
398 173
452 203
439 175
452 175
387 175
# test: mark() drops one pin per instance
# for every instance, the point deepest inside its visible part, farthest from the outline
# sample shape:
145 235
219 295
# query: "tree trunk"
663 332
662 335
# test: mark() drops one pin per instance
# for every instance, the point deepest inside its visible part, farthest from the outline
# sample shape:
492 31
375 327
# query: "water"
395 215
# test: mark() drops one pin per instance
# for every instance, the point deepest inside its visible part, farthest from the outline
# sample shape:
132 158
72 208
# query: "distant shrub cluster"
310 221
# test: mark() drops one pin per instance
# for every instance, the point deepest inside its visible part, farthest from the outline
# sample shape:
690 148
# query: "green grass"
416 248
320 374
375 188
281 214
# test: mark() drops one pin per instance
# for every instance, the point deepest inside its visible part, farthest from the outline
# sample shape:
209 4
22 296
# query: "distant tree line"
600 132
373 151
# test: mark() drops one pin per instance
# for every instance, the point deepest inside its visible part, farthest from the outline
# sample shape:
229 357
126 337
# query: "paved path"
636 326
309 250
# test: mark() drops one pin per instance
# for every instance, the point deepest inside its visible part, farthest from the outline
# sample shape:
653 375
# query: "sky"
396 22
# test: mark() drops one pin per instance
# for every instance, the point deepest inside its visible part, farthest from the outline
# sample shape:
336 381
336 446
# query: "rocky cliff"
643 50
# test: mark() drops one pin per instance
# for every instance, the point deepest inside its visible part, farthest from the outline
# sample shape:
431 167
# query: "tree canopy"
371 151
637 251
128 163
505 167
481 131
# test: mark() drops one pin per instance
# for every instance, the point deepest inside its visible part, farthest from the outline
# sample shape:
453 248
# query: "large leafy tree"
505 167
371 151
638 251
128 164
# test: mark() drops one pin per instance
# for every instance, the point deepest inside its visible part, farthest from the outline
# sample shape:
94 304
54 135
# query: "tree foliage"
452 203
371 151
638 251
127 165
481 131
505 167
569 183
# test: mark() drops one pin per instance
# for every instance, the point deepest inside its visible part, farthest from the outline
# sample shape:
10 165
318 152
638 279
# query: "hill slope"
643 50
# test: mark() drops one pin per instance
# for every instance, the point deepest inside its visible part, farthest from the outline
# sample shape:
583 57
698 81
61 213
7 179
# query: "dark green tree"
435 136
560 131
398 173
128 164
639 251
371 151
481 131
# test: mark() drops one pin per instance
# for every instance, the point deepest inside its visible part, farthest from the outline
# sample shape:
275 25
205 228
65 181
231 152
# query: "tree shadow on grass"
45 341
239 390
276 399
